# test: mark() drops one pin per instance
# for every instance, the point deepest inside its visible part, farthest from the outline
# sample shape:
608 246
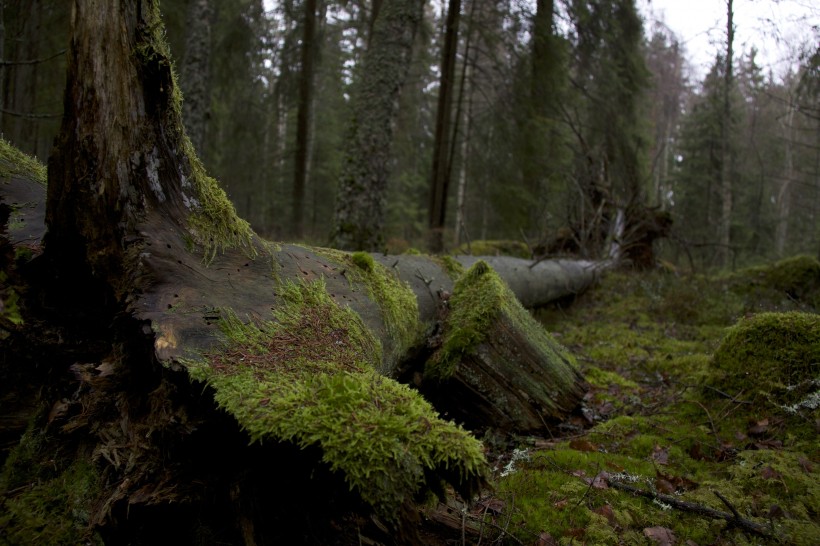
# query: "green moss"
451 266
479 298
13 162
603 379
309 377
212 222
41 504
363 261
660 332
516 249
395 298
770 352
796 279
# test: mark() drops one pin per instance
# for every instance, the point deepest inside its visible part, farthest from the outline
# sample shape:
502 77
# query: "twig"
33 61
733 518
591 482
729 396
712 423
728 504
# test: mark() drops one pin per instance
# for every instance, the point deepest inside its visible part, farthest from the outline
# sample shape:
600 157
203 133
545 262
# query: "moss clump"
13 162
42 505
400 310
309 377
363 261
796 278
515 249
770 352
479 298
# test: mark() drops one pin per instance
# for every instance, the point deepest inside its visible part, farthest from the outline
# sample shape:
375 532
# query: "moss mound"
785 284
516 249
309 377
770 352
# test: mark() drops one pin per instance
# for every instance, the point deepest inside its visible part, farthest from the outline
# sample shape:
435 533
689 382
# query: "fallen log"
149 280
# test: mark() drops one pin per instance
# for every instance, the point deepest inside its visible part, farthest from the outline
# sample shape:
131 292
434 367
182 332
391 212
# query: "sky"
773 26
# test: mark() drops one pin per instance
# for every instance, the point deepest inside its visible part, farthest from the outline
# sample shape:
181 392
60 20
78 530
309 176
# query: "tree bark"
303 118
440 178
361 200
149 281
196 72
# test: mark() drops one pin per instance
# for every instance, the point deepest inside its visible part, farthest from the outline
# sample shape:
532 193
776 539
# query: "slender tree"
304 116
726 192
442 171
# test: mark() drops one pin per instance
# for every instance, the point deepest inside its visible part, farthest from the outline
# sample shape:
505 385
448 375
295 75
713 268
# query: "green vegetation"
480 298
14 162
684 403
43 504
395 299
309 377
516 249
212 221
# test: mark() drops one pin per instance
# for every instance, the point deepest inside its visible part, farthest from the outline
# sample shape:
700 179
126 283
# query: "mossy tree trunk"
149 281
361 203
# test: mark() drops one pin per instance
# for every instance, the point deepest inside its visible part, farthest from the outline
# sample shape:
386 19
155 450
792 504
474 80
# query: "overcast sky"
775 27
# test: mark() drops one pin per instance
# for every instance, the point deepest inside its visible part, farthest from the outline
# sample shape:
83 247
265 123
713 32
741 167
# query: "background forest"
563 124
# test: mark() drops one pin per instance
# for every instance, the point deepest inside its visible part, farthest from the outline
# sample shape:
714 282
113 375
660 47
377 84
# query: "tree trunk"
303 118
150 282
196 72
440 178
726 193
361 200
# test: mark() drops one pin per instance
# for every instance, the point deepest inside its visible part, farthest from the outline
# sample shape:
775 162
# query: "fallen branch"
734 518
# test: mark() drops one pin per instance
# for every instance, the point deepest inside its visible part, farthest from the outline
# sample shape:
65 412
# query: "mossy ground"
663 415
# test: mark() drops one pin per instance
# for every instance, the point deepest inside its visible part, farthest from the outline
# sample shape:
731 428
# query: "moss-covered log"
149 281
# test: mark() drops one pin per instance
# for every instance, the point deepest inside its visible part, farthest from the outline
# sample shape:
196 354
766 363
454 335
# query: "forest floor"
700 426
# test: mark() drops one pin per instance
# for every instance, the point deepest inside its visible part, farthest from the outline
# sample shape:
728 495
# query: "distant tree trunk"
784 192
360 202
725 225
303 118
440 178
196 72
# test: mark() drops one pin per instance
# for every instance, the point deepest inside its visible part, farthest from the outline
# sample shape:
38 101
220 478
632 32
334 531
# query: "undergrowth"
704 391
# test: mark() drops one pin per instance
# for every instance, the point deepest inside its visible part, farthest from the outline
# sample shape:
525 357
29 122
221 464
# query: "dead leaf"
608 513
768 444
679 483
660 455
561 504
769 473
581 444
599 482
59 409
492 505
776 512
575 533
545 539
806 465
614 466
664 486
660 535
